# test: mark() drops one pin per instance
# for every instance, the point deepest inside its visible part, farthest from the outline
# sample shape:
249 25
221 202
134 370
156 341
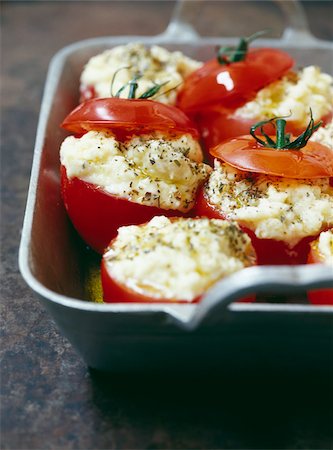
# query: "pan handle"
214 306
185 11
179 27
297 28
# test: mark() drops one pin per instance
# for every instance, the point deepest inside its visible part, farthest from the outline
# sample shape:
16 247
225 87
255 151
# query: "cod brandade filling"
117 66
174 259
272 207
150 170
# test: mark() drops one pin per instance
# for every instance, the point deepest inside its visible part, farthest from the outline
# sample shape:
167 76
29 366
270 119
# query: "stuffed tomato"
282 197
111 71
173 260
292 96
321 252
135 159
241 86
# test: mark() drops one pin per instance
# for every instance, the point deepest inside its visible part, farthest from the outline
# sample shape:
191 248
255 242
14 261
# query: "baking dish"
55 263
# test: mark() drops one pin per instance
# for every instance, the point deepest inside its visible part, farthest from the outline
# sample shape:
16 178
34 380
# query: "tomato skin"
318 296
246 154
269 251
233 83
321 297
97 214
129 116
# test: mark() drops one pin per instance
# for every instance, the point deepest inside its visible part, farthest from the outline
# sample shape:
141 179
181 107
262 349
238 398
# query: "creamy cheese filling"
274 208
324 135
155 64
293 96
325 246
177 259
147 170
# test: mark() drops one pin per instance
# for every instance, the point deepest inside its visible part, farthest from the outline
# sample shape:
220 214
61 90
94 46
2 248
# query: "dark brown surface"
50 400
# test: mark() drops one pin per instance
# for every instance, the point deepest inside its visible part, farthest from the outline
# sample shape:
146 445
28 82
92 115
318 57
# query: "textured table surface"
50 400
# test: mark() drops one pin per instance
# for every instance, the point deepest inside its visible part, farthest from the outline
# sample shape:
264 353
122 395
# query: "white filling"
293 96
274 208
177 259
156 65
154 171
325 246
324 135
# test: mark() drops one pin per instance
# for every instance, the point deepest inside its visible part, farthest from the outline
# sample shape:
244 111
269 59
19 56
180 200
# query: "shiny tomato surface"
318 296
126 117
269 251
245 153
233 83
97 215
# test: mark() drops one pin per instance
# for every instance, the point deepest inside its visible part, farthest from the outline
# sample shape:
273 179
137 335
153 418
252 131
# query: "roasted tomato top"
282 155
133 116
232 84
245 153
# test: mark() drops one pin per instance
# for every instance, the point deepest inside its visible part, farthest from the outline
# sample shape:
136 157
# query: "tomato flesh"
233 83
97 214
134 116
269 251
245 153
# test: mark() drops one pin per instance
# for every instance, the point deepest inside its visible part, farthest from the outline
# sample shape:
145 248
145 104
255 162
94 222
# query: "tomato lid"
315 160
133 115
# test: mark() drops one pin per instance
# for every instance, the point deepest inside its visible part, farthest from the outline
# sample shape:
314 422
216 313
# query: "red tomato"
234 83
117 292
220 124
245 153
269 251
97 214
318 296
321 297
128 117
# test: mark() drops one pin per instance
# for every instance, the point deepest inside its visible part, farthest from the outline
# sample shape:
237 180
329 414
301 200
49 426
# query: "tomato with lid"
136 159
283 206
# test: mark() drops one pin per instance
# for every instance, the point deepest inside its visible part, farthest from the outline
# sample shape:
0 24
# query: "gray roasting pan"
281 329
